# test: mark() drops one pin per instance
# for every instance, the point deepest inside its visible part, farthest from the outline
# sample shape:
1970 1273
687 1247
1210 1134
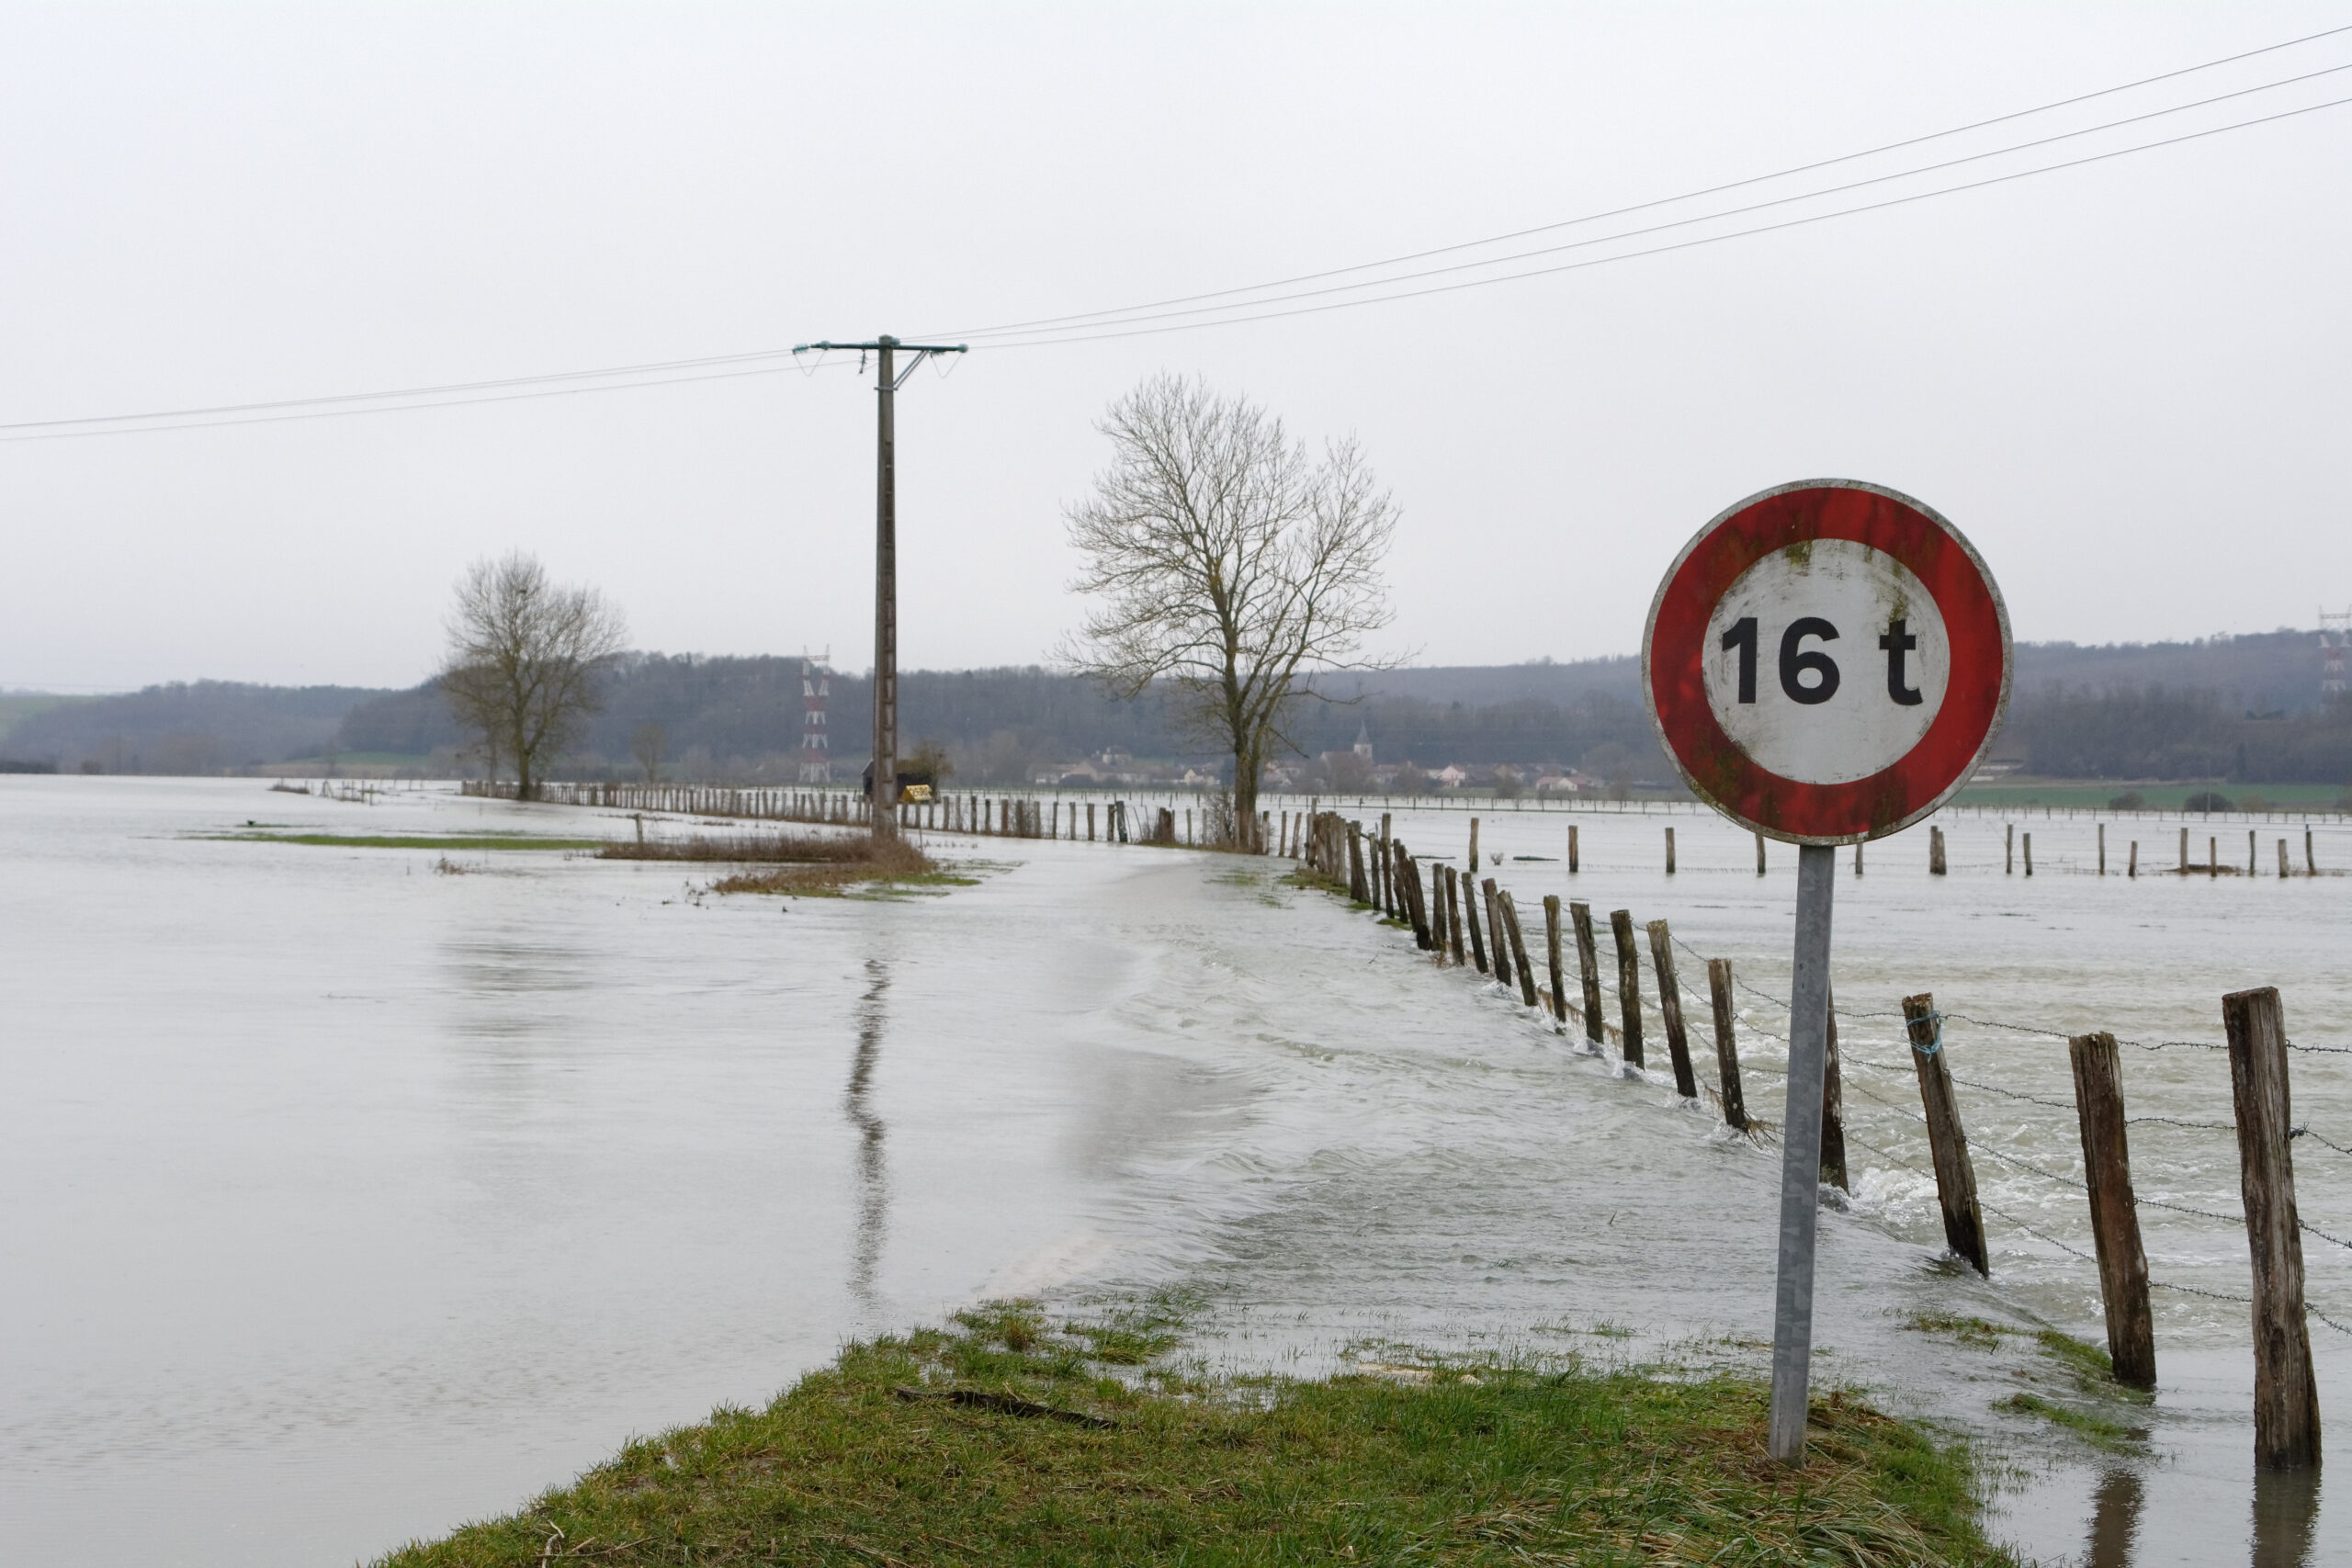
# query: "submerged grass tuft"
805 865
2094 1428
1007 1438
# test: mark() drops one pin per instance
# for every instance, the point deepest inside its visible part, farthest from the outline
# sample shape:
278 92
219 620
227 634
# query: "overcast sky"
2128 382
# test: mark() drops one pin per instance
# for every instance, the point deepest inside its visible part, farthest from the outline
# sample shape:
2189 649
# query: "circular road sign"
1827 662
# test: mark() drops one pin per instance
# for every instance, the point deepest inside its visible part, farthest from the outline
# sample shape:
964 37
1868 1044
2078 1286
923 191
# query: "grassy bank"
799 863
1009 1441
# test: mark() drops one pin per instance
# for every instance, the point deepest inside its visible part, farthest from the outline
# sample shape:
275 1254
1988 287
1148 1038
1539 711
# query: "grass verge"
805 865
1011 1440
415 841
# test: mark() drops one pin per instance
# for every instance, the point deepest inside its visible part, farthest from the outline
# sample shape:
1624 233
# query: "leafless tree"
523 659
1228 565
647 746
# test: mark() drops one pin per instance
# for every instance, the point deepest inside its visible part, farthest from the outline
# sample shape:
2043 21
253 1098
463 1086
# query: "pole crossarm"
887 346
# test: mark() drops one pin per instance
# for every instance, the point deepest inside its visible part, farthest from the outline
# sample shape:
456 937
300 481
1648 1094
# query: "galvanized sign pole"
1827 663
1801 1153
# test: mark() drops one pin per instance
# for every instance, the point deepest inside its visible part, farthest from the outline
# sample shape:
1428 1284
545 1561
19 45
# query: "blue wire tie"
1936 1044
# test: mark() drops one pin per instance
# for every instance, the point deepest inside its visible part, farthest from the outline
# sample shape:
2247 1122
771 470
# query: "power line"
1083 336
1725 213
361 403
1132 321
1051 322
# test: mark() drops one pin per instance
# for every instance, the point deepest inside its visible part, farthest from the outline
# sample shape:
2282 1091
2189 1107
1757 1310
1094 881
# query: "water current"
349 1198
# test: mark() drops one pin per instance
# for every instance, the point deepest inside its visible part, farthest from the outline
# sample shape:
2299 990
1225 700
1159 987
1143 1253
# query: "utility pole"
883 787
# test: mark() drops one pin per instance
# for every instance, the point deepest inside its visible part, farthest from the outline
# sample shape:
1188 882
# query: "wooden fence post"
1474 846
1518 947
2102 849
1858 859
2184 850
1470 918
2283 872
1090 821
1759 855
1496 936
1588 968
2028 855
1833 1101
1356 888
1552 959
1955 1176
1387 899
1572 847
1935 851
1669 852
2249 851
2310 861
2115 1217
2131 866
1404 876
1726 1043
2214 856
2009 849
1629 985
1669 1006
2286 1390
1453 916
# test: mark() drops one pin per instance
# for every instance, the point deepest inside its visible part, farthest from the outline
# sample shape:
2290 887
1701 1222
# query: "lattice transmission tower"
2334 630
816 741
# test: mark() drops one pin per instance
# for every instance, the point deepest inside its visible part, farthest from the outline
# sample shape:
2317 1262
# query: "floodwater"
348 1199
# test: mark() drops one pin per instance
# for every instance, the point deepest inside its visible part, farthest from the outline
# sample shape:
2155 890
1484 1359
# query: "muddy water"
349 1199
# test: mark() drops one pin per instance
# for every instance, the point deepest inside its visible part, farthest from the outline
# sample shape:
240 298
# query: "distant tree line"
2155 733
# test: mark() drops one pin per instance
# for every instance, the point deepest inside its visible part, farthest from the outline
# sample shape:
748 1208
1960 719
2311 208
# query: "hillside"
2154 710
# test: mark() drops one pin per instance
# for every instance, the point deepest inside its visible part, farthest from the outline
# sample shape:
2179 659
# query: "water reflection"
2285 1507
873 1175
2115 1520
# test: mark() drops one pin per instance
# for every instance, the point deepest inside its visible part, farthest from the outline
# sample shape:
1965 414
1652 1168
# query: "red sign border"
1787 809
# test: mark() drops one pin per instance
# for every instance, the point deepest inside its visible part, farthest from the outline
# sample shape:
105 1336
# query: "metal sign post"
1827 663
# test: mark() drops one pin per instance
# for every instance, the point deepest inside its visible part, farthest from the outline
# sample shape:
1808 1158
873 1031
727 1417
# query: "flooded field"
350 1196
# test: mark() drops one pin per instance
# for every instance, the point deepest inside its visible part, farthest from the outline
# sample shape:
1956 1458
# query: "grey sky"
2128 382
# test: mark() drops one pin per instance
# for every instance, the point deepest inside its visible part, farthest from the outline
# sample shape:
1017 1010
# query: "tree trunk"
1245 801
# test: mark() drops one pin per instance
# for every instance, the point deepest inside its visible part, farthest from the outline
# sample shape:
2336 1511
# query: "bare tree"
1229 566
523 659
648 746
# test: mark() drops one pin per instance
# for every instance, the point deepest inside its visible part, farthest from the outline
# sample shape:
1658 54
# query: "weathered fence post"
1090 821
1474 846
1935 851
2009 849
2286 1390
1552 959
2214 856
1833 1099
2028 855
1496 936
1858 859
2115 1217
1669 852
1629 985
1388 877
1670 1008
2184 850
1759 855
1518 947
2249 851
1404 876
1572 847
1726 1043
1453 880
2102 849
1470 918
1955 1175
2310 861
1589 968
1356 888
2131 866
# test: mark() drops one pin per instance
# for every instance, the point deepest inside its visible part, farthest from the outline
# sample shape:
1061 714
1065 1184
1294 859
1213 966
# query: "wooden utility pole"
882 788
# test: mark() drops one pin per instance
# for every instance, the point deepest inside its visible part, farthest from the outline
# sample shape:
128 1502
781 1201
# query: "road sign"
1827 662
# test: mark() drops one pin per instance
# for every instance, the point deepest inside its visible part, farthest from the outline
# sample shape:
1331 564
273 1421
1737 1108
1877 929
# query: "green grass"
414 841
2094 1428
1010 1439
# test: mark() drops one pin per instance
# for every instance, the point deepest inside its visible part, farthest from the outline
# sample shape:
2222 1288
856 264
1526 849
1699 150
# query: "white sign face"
1827 662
